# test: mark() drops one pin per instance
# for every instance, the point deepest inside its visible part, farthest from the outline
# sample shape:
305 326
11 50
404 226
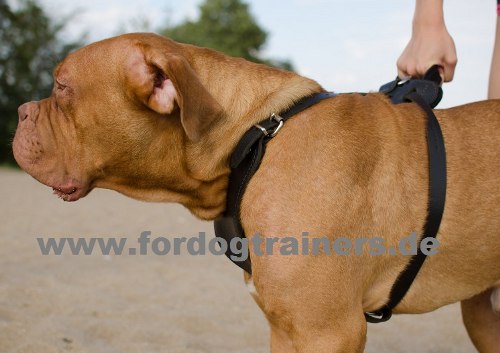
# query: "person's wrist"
428 23
429 28
428 14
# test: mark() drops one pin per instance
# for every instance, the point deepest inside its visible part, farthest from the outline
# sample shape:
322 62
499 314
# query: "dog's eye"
59 86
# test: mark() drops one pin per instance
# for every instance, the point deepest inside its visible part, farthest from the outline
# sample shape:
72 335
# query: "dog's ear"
165 81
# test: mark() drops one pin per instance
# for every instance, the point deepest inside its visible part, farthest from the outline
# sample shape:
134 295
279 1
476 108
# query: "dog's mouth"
69 193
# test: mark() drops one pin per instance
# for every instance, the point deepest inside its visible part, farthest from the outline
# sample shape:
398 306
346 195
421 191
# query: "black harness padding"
245 161
249 152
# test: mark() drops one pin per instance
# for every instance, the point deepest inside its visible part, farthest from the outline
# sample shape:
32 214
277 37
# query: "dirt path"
142 304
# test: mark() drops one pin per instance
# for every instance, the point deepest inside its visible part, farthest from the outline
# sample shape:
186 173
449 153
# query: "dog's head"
120 115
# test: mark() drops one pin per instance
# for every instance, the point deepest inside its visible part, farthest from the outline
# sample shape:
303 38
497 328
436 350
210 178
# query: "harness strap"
245 161
250 150
255 133
437 195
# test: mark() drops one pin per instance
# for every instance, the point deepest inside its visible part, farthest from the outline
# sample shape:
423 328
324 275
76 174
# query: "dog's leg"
482 323
335 336
315 337
281 341
313 312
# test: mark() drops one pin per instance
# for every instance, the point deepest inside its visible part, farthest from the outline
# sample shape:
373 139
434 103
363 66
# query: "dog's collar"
249 152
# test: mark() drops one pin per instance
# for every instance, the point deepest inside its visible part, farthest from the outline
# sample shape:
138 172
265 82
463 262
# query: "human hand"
430 44
427 47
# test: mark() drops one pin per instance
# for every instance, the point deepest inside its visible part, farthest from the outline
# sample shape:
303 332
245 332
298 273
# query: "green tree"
30 47
227 26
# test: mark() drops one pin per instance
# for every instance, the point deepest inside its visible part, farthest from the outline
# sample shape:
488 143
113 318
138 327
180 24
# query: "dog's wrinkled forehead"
104 61
97 61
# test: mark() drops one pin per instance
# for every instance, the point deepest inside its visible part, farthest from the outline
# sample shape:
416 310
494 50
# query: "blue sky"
346 45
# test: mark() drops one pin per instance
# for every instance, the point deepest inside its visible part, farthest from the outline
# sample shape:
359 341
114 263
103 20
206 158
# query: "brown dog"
157 121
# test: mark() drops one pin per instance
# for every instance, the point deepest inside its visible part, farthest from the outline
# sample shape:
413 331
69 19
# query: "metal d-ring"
276 118
279 120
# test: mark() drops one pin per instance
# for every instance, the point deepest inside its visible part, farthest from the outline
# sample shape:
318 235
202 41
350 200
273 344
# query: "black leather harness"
249 152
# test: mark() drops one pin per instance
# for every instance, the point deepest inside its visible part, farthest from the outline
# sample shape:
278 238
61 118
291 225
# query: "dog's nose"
28 110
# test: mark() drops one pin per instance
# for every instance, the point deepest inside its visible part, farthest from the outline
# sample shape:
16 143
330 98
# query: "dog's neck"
248 93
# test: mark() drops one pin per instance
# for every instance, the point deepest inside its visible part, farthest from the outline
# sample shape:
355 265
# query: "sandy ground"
130 304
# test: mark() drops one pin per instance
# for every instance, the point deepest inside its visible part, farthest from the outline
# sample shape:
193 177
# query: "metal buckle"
379 316
276 118
264 131
279 120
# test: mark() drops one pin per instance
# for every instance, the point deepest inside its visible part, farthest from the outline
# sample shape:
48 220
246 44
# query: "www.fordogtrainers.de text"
260 246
